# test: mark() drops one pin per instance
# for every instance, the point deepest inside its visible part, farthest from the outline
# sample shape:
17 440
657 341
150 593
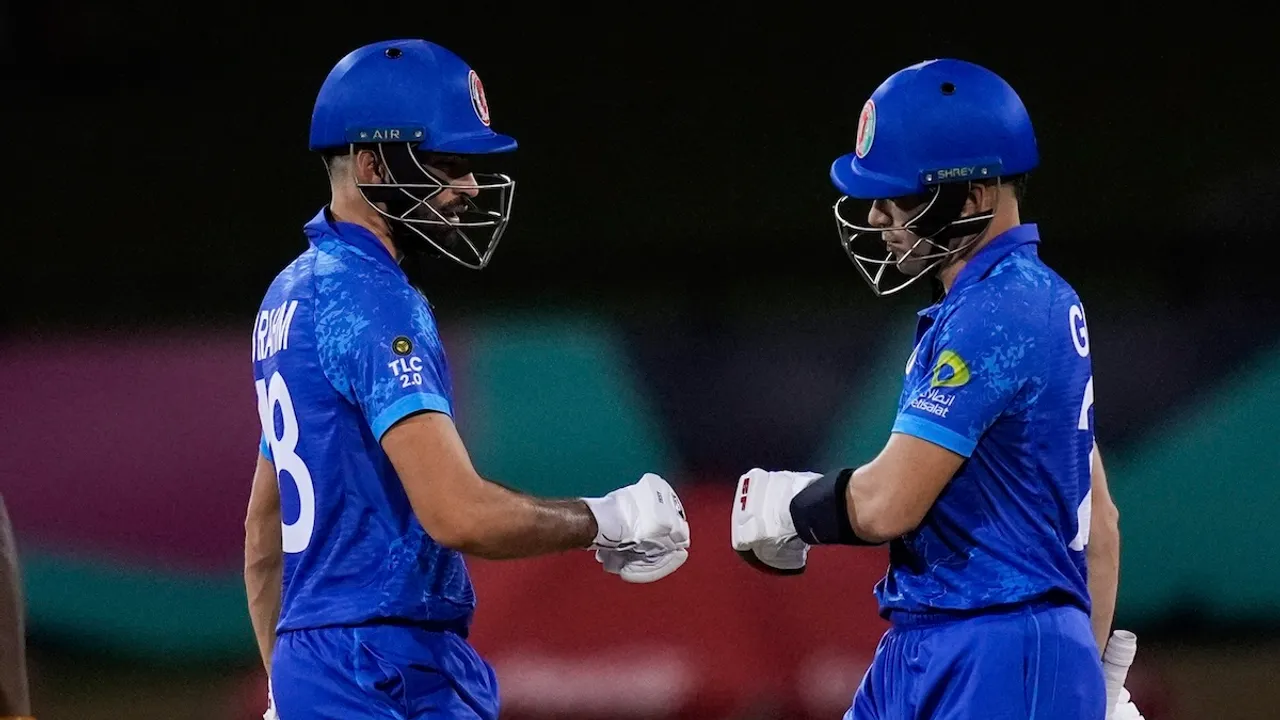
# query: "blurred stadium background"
670 297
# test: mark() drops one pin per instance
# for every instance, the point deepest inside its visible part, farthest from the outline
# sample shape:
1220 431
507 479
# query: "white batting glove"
643 533
1125 709
763 532
635 567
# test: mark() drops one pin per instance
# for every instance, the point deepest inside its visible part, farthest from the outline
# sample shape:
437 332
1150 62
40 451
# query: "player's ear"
981 198
368 167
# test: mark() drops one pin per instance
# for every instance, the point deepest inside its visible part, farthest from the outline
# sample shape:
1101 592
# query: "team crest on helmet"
866 129
478 100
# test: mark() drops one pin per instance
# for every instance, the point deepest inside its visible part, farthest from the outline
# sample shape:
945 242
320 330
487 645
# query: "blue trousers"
1031 663
380 671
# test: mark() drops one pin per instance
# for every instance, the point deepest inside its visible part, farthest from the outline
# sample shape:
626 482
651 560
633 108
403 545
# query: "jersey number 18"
284 453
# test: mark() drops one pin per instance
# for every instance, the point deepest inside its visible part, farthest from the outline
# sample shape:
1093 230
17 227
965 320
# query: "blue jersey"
1001 375
344 347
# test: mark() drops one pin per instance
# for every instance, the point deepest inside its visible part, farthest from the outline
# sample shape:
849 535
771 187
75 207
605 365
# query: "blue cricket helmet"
408 91
420 108
935 122
926 133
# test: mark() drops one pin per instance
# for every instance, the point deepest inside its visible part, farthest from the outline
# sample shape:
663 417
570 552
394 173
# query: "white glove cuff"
611 525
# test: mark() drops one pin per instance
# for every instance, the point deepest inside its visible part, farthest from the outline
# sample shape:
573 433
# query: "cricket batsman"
1003 539
364 499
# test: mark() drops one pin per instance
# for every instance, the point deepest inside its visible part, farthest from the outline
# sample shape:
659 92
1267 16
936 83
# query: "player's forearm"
14 692
262 585
263 576
1103 554
497 523
462 510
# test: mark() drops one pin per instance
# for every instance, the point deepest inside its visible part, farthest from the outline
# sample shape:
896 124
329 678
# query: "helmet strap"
941 224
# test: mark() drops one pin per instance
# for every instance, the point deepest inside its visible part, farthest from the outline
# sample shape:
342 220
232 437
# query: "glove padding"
763 533
635 567
643 533
1125 709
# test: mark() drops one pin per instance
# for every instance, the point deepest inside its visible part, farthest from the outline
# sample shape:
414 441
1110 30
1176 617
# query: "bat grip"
1116 660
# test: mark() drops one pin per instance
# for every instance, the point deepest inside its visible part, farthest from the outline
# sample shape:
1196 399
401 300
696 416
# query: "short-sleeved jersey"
1000 375
344 346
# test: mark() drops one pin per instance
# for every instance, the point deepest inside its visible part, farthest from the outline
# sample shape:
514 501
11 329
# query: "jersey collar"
352 235
983 261
1000 247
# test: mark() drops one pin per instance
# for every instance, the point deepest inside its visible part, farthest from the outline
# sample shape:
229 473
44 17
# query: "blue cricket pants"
1036 662
380 671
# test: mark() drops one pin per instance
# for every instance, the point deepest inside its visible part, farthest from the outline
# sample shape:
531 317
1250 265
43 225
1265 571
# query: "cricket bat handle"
1116 660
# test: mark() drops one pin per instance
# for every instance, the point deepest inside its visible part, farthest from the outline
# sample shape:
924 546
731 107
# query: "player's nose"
466 185
877 217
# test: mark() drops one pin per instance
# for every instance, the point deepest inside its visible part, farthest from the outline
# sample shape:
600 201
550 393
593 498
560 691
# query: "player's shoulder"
339 267
293 281
358 302
1022 277
345 279
1019 289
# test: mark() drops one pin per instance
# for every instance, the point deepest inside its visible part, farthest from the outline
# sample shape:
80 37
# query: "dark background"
162 166
672 170
672 176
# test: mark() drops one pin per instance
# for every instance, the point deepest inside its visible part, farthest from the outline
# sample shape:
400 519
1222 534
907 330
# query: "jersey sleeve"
982 357
384 354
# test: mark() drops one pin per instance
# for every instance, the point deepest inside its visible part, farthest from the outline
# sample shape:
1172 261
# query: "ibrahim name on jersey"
343 348
1001 375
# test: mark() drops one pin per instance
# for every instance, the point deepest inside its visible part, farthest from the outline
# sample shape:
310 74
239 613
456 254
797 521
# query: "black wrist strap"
821 511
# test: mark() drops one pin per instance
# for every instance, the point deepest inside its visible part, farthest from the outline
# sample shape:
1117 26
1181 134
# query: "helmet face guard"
464 226
925 136
935 226
420 108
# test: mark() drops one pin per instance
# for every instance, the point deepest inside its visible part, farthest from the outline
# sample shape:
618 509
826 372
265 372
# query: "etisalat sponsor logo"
949 372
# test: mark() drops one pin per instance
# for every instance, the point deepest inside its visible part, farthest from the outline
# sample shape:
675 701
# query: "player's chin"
911 266
448 238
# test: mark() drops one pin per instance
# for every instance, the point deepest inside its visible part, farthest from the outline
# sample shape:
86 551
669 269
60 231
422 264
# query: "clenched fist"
643 533
763 532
